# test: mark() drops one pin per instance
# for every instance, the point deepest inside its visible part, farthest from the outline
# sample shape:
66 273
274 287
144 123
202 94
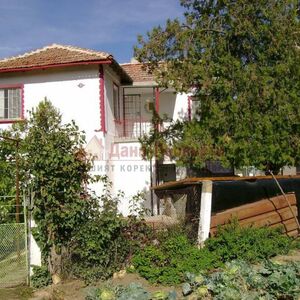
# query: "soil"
77 290
16 293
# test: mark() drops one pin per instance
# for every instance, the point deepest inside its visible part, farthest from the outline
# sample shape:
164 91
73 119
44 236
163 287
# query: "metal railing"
132 129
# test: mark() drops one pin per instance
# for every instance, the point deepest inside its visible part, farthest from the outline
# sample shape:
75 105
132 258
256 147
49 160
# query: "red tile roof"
57 56
53 55
137 72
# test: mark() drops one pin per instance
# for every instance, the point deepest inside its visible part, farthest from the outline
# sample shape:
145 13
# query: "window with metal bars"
10 103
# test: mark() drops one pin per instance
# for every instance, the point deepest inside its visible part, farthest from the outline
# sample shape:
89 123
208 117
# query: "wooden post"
205 212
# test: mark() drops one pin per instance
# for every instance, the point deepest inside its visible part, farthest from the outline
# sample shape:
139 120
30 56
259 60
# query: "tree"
240 60
56 167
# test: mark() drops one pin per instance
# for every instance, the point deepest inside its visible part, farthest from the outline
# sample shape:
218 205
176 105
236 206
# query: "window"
116 100
10 103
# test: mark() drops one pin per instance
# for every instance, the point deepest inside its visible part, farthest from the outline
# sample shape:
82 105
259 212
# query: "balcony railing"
132 129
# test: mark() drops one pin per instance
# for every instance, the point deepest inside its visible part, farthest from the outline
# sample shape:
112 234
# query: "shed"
200 199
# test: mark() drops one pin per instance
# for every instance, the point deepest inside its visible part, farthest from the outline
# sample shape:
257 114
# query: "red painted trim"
11 121
12 86
25 69
189 108
102 99
157 100
22 117
22 103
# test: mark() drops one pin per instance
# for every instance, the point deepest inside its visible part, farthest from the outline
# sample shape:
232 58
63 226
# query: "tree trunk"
55 265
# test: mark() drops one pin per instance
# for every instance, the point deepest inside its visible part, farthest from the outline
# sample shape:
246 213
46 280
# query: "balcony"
131 130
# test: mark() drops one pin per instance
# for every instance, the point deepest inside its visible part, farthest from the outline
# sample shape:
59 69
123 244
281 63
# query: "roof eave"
125 77
43 67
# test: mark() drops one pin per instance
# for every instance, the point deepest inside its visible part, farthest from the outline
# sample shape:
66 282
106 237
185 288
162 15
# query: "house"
112 103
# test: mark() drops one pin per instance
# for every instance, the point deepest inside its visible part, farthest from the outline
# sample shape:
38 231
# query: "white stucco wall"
61 88
75 92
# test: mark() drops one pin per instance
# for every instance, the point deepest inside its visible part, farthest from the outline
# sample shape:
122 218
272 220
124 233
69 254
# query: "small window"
10 103
116 100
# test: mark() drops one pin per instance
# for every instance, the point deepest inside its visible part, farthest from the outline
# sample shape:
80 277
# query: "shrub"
99 247
104 244
248 243
41 277
168 262
175 254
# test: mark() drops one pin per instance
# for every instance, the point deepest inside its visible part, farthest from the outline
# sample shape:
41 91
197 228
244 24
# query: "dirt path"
17 293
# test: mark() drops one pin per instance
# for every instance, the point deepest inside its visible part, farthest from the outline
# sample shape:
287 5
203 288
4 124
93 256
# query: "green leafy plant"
240 60
41 277
134 291
252 244
174 254
99 247
56 167
136 205
241 280
244 281
167 262
106 241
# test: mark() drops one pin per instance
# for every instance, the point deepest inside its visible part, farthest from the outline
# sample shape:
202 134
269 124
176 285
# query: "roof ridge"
79 49
67 47
134 63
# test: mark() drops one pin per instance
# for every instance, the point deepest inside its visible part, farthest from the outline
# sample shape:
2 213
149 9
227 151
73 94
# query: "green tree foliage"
78 233
241 59
58 166
9 154
174 254
55 166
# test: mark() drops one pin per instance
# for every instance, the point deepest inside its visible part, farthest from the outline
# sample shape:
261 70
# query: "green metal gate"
13 243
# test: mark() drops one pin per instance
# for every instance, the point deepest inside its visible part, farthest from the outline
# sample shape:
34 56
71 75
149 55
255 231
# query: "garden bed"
76 289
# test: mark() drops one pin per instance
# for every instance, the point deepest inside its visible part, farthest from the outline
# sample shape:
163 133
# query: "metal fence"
13 244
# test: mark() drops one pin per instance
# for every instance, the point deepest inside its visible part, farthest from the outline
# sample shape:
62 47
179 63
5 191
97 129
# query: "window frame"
14 86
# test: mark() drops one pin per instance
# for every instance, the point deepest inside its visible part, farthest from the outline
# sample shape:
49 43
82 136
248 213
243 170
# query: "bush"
168 262
175 254
248 243
100 248
105 243
41 277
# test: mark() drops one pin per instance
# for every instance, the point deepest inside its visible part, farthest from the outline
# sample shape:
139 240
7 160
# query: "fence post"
27 250
205 212
34 252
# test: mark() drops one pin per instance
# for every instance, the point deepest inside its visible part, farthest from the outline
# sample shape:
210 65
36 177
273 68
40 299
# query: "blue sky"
107 25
